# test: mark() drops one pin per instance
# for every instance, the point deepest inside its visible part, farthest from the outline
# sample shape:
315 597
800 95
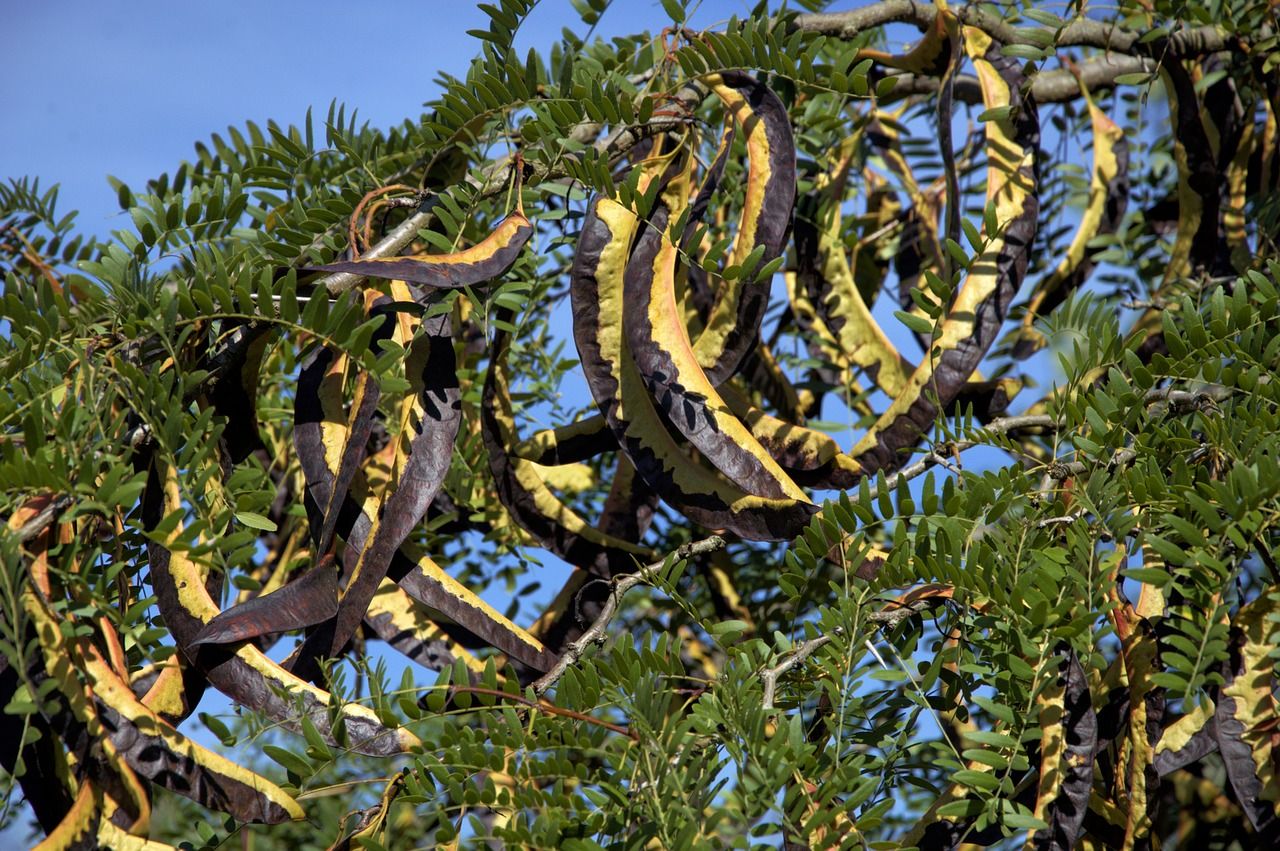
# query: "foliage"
970 538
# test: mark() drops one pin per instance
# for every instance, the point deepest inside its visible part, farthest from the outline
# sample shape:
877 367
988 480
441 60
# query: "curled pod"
449 602
483 262
827 293
75 715
416 460
809 457
628 511
1105 207
665 359
1245 712
919 243
47 783
596 291
1198 244
567 444
978 311
840 311
143 741
1066 714
525 494
930 56
733 325
407 626
234 395
243 673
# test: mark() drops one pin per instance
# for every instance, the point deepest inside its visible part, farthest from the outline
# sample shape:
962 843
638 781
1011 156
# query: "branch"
1002 425
1080 32
44 519
621 585
1046 87
1060 471
802 651
546 706
1064 520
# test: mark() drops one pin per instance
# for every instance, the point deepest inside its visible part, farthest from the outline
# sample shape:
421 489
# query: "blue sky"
126 88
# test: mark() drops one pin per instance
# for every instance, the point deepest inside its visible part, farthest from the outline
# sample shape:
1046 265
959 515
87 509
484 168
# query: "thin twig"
891 617
1064 520
1002 425
545 706
1061 471
364 202
621 585
44 518
803 650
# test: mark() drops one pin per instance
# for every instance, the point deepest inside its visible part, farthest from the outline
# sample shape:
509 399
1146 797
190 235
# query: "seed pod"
978 310
401 622
596 293
733 325
485 261
244 673
525 495
665 360
1105 207
419 455
137 743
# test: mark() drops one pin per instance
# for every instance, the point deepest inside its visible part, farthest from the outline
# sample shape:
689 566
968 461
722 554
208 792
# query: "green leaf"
995 113
728 630
1137 79
982 780
916 323
1023 821
1026 51
315 741
988 737
965 808
219 729
256 521
295 763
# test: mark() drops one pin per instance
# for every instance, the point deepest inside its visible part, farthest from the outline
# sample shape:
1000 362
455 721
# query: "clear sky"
97 87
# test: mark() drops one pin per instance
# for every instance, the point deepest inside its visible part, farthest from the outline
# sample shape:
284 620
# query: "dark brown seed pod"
486 261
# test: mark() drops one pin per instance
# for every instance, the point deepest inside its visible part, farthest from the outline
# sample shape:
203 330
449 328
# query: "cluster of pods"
673 358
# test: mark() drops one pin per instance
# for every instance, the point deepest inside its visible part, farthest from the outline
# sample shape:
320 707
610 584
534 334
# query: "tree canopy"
762 435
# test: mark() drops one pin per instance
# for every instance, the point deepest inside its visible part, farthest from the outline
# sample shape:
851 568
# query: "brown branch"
1046 87
547 707
1081 32
621 585
44 519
